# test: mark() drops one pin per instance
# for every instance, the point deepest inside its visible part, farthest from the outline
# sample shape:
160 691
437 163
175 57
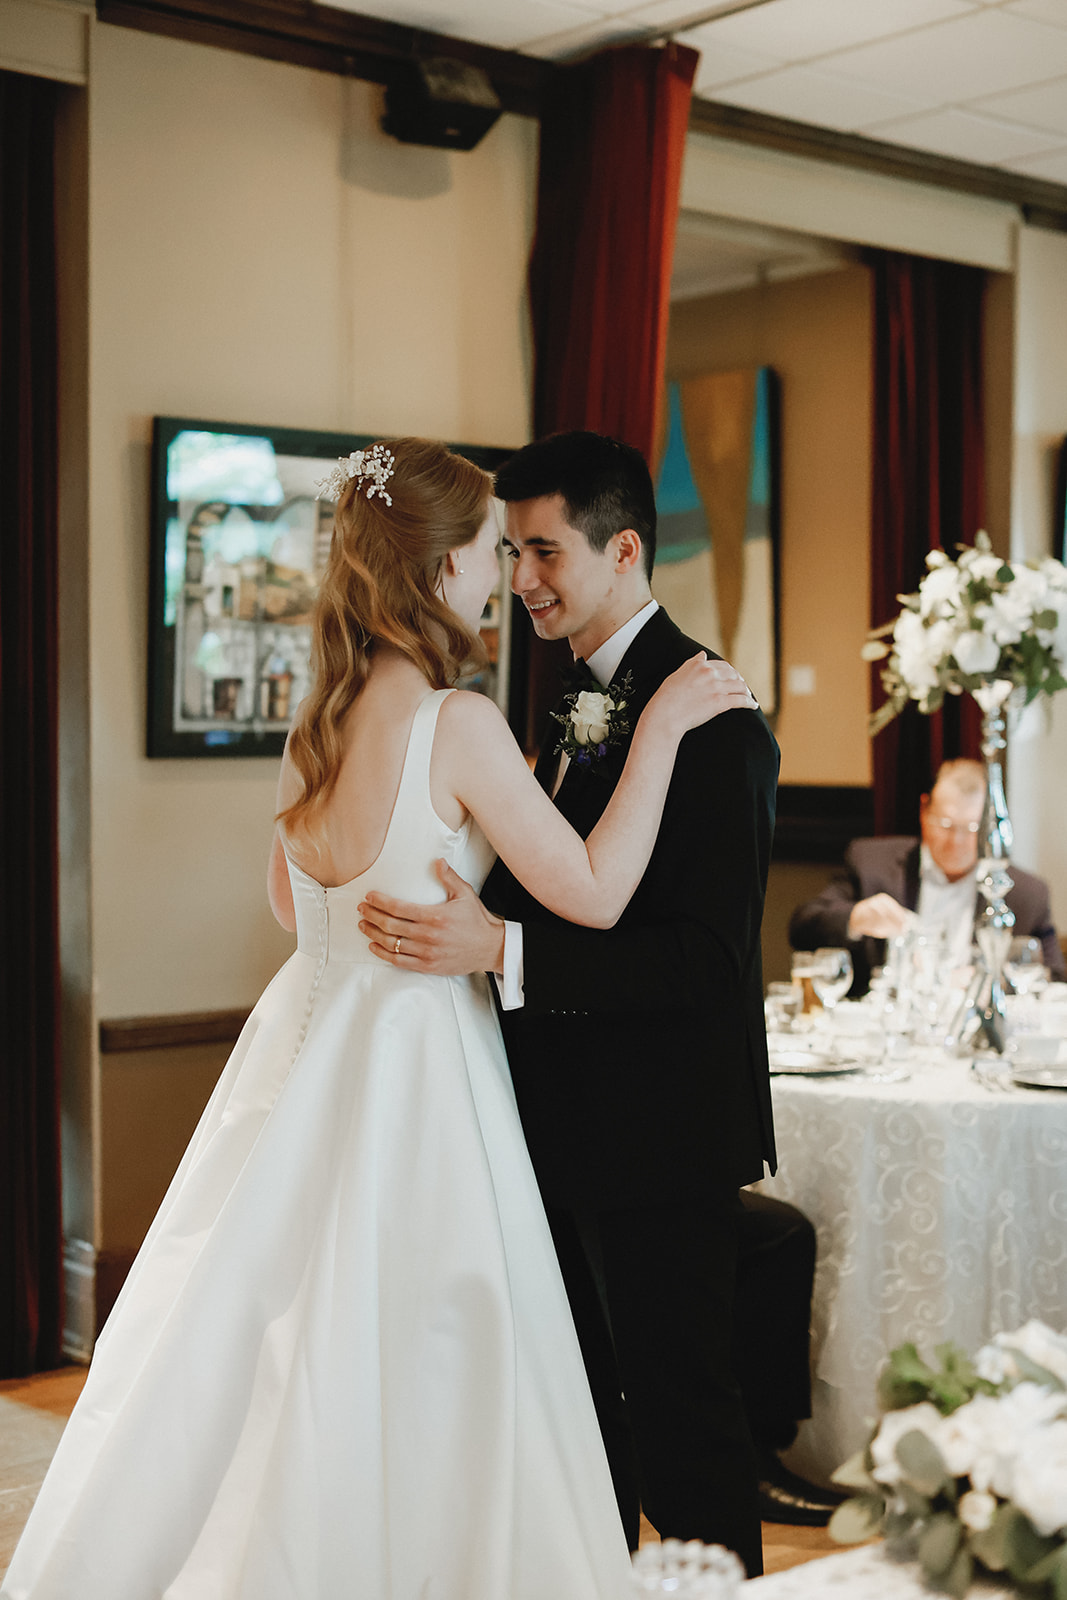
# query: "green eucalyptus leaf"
1042 1570
1005 574
1045 619
1034 1372
989 1545
855 1473
922 1461
858 1519
959 1576
939 1543
897 1527
1023 1546
1059 1574
916 1504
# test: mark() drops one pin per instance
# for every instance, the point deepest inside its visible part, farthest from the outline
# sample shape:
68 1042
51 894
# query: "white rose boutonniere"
593 722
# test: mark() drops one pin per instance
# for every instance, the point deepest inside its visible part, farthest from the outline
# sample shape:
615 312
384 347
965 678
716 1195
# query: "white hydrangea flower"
940 590
1037 1341
1039 1480
976 652
981 564
923 1418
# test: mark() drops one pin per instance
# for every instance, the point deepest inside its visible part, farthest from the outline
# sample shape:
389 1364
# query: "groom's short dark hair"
605 485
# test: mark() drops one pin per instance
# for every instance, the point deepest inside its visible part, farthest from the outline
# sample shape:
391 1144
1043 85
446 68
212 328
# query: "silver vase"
995 924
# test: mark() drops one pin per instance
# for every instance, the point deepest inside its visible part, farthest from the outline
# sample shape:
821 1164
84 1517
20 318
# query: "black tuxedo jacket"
891 866
640 1055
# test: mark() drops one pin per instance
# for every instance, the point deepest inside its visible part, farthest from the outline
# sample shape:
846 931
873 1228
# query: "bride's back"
409 514
351 824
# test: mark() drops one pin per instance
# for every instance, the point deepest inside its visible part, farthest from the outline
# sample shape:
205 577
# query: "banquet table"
863 1574
940 1207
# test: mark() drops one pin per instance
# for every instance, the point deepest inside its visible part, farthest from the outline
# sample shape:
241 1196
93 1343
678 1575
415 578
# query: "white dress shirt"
603 664
948 907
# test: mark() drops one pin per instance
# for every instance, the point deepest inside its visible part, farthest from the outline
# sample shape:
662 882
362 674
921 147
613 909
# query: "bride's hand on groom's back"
697 691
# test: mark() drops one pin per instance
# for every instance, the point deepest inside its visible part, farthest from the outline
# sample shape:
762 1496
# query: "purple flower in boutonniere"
594 721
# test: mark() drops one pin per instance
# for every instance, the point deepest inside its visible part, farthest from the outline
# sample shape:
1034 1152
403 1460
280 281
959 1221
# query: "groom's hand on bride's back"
451 939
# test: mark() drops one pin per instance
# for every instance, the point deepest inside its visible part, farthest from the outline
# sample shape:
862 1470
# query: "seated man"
889 884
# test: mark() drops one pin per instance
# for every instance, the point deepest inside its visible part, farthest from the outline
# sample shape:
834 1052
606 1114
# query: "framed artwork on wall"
239 541
717 499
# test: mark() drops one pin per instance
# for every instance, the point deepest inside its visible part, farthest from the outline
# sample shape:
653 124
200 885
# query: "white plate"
801 1063
1040 1077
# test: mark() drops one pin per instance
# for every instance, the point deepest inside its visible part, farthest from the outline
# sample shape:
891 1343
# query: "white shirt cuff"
509 984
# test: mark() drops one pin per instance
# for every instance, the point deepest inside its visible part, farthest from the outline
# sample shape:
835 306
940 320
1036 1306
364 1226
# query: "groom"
638 1053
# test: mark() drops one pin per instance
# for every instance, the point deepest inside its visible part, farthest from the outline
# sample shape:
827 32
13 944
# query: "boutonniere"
594 721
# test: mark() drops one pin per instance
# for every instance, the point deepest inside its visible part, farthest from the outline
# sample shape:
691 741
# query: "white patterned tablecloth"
941 1213
864 1574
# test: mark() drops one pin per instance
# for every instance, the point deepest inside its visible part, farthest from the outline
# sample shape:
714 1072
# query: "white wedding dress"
343 1365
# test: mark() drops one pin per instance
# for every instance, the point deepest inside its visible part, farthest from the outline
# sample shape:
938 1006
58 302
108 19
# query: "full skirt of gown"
343 1365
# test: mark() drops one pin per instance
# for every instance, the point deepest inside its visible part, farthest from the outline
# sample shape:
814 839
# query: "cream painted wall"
1037 754
259 252
816 333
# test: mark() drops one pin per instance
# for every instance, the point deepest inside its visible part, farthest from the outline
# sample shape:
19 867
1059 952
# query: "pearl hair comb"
375 465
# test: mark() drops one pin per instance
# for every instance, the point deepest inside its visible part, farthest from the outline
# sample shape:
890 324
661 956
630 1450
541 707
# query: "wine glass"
1025 967
831 976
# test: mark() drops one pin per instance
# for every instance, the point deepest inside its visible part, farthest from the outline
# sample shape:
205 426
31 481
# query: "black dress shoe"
785 1497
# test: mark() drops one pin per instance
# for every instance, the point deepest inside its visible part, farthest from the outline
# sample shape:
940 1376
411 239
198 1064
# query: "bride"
342 1366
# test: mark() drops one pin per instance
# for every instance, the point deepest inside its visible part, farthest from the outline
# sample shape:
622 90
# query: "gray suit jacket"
891 866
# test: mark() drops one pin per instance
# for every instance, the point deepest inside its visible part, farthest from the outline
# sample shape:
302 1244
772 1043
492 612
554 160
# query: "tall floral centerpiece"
967 1469
993 629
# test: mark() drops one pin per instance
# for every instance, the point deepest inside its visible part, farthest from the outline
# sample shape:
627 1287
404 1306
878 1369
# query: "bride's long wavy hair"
383 583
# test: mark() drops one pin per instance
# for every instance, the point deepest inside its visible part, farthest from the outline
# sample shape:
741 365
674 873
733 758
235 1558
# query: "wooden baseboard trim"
171 1032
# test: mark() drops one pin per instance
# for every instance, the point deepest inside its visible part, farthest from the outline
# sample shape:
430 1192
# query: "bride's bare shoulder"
467 713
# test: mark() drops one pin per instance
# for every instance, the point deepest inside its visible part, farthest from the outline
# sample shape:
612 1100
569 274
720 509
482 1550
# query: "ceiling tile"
1052 11
807 94
507 24
796 30
1052 166
1042 106
959 60
724 63
965 136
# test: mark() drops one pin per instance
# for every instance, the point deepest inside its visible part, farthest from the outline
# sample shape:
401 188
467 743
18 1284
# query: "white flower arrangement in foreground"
968 1466
977 624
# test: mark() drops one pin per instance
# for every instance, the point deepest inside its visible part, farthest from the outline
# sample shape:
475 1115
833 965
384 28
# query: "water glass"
782 1006
1025 968
832 976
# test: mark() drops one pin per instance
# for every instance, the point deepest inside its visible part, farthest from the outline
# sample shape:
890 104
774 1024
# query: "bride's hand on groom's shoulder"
448 940
699 690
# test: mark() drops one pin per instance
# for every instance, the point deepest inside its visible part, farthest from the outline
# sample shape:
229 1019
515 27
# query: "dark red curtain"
928 487
31 1239
613 135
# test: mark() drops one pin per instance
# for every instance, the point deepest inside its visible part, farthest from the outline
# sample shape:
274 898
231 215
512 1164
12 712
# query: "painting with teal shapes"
716 499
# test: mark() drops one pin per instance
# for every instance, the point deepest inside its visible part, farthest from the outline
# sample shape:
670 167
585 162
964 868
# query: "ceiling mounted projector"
441 102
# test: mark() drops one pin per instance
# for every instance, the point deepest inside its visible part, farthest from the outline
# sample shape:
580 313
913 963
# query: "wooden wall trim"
1043 204
816 822
328 39
171 1032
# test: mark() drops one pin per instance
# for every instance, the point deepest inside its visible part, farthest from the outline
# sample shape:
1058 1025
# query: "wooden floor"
34 1410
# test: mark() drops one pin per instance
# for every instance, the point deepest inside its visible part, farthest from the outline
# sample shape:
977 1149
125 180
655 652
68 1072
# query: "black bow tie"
578 677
